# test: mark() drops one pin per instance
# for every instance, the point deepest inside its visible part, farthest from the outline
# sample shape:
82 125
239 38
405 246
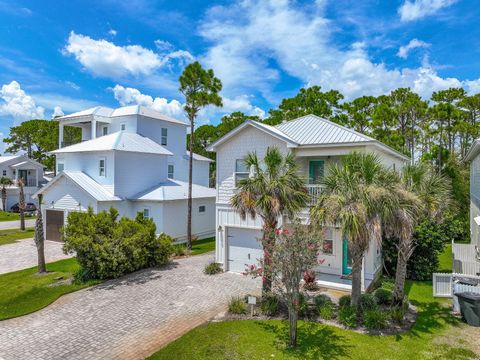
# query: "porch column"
36 175
93 133
60 135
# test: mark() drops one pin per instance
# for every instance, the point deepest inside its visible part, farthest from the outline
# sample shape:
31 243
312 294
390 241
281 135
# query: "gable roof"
18 160
85 182
103 111
5 158
474 150
119 141
260 126
174 190
196 157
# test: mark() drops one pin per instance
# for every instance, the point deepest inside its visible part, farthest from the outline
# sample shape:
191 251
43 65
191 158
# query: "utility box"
470 307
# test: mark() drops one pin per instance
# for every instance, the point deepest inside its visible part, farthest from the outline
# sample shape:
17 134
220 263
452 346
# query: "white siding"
137 172
88 162
475 199
65 194
238 147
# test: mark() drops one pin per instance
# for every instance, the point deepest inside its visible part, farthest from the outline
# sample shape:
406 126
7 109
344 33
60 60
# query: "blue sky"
64 56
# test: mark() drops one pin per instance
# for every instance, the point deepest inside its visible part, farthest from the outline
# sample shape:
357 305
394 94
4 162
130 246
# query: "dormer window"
102 167
123 126
164 136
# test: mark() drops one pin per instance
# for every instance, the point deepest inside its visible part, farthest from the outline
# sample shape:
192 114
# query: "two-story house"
317 144
135 160
16 167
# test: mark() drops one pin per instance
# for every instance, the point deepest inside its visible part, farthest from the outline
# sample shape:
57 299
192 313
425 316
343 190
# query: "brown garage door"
54 224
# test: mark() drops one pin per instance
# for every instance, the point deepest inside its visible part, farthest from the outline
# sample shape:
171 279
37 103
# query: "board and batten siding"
249 139
67 195
475 199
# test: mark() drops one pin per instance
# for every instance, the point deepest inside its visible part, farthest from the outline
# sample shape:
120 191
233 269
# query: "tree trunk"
356 279
40 238
190 171
21 205
268 242
400 276
4 198
292 320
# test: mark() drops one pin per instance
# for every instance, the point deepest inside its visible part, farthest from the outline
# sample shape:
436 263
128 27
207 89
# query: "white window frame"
4 173
164 138
237 173
123 126
60 162
147 209
104 159
104 130
332 239
204 209
172 172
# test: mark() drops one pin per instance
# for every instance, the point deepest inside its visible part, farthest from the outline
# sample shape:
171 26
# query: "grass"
23 292
6 216
445 259
12 235
201 246
267 339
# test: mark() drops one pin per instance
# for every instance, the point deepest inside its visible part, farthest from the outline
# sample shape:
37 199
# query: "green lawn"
23 292
7 216
201 246
10 236
428 339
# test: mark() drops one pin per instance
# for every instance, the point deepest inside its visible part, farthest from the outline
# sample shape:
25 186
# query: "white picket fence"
443 284
465 260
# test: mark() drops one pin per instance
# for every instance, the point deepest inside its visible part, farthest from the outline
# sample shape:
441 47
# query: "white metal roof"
119 141
474 150
174 190
197 157
312 130
5 158
94 189
107 112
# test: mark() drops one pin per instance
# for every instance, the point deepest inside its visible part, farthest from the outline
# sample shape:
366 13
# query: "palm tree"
359 196
40 237
272 190
424 194
21 203
4 182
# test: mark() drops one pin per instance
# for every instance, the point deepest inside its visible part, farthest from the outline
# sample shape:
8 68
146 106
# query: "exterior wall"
249 139
66 195
136 172
475 200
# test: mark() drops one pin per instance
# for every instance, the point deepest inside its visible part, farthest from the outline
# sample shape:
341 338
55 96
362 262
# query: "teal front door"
316 171
347 261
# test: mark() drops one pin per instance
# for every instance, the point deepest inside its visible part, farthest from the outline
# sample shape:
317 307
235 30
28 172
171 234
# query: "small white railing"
314 190
465 259
464 252
443 284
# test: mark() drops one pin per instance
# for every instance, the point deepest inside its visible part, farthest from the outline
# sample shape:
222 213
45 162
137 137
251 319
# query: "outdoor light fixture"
220 229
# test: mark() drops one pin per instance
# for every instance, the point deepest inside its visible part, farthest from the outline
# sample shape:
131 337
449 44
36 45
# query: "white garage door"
244 248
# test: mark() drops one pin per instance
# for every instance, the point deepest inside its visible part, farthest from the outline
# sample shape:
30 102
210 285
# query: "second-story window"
123 126
241 171
4 172
102 167
105 130
146 213
60 166
171 171
164 136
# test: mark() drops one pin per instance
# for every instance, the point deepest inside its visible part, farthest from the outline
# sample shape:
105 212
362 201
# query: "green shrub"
212 268
108 248
302 306
321 300
327 311
269 305
367 302
180 250
347 315
237 306
345 300
397 314
375 319
383 296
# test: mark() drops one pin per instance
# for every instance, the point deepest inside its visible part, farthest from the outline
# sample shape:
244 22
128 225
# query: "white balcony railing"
314 190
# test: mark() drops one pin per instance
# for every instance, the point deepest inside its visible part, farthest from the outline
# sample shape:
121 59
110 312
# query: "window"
101 167
170 171
327 245
202 209
123 126
60 167
164 136
105 130
146 213
241 171
4 173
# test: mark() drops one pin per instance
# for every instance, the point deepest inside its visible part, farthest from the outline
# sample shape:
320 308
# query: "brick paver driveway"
23 254
127 318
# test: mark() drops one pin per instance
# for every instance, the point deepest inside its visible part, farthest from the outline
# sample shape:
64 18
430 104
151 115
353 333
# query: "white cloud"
18 104
104 58
112 32
57 111
417 9
241 103
413 44
68 104
129 96
251 40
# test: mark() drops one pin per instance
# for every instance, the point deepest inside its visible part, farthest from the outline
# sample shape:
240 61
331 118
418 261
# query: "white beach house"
135 160
317 144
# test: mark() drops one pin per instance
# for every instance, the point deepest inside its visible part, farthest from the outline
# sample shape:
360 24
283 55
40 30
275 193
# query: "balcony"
314 190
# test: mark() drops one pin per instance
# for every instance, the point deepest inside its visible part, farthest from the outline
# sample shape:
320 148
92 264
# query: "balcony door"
23 174
316 171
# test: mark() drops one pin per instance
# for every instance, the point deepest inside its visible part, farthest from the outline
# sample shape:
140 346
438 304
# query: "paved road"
23 254
15 224
128 318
